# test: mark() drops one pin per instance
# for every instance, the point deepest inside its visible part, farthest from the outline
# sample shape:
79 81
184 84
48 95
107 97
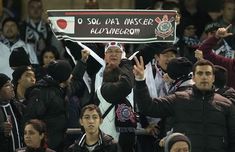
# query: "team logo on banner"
63 24
164 28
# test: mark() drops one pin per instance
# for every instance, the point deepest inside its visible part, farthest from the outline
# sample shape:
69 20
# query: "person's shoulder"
49 150
21 149
184 94
108 139
222 100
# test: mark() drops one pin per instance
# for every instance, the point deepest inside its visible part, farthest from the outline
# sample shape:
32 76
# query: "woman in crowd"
35 137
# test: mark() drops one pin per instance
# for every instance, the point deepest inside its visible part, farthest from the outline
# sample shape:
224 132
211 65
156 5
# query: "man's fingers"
141 61
230 25
136 61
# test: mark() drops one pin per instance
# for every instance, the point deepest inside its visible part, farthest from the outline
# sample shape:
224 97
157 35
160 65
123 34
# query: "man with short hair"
93 139
10 42
193 111
23 78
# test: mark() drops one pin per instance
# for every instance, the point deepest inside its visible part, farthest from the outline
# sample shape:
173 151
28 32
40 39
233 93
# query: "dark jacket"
227 63
26 149
6 142
227 92
46 101
105 144
209 126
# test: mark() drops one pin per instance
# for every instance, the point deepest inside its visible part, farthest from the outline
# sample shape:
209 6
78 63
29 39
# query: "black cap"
165 47
59 70
179 67
19 57
3 79
16 75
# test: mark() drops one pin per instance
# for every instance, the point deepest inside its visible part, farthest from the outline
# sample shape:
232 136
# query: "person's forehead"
203 68
9 23
90 112
170 52
112 48
35 3
29 72
180 144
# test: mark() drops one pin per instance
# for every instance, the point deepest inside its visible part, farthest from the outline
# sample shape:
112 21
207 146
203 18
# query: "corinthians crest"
164 28
124 113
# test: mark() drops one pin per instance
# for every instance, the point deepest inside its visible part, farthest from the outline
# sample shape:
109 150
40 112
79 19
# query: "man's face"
164 59
27 79
229 11
204 77
7 91
10 30
113 56
35 10
91 121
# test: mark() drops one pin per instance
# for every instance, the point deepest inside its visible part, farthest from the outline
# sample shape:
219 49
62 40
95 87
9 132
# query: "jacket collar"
200 93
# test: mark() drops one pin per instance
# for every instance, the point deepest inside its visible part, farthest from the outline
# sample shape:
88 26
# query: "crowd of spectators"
185 87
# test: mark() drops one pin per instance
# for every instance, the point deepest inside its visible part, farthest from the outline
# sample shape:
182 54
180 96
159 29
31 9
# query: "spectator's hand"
152 129
7 127
177 18
167 79
223 103
85 54
139 68
223 32
111 66
198 54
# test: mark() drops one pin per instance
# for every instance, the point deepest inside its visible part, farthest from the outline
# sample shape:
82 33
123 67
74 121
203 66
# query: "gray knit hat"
171 139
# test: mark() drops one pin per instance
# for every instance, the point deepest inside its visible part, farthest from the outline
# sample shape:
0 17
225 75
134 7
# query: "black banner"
126 26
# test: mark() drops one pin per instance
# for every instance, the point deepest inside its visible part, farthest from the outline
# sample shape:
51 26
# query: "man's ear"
42 136
101 120
81 122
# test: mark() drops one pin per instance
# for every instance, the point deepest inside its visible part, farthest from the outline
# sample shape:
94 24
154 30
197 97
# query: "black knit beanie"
3 79
59 70
16 75
179 67
19 57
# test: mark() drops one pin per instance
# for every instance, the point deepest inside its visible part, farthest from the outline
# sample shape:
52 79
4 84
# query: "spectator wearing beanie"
176 142
179 69
59 70
18 58
23 78
10 131
46 100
